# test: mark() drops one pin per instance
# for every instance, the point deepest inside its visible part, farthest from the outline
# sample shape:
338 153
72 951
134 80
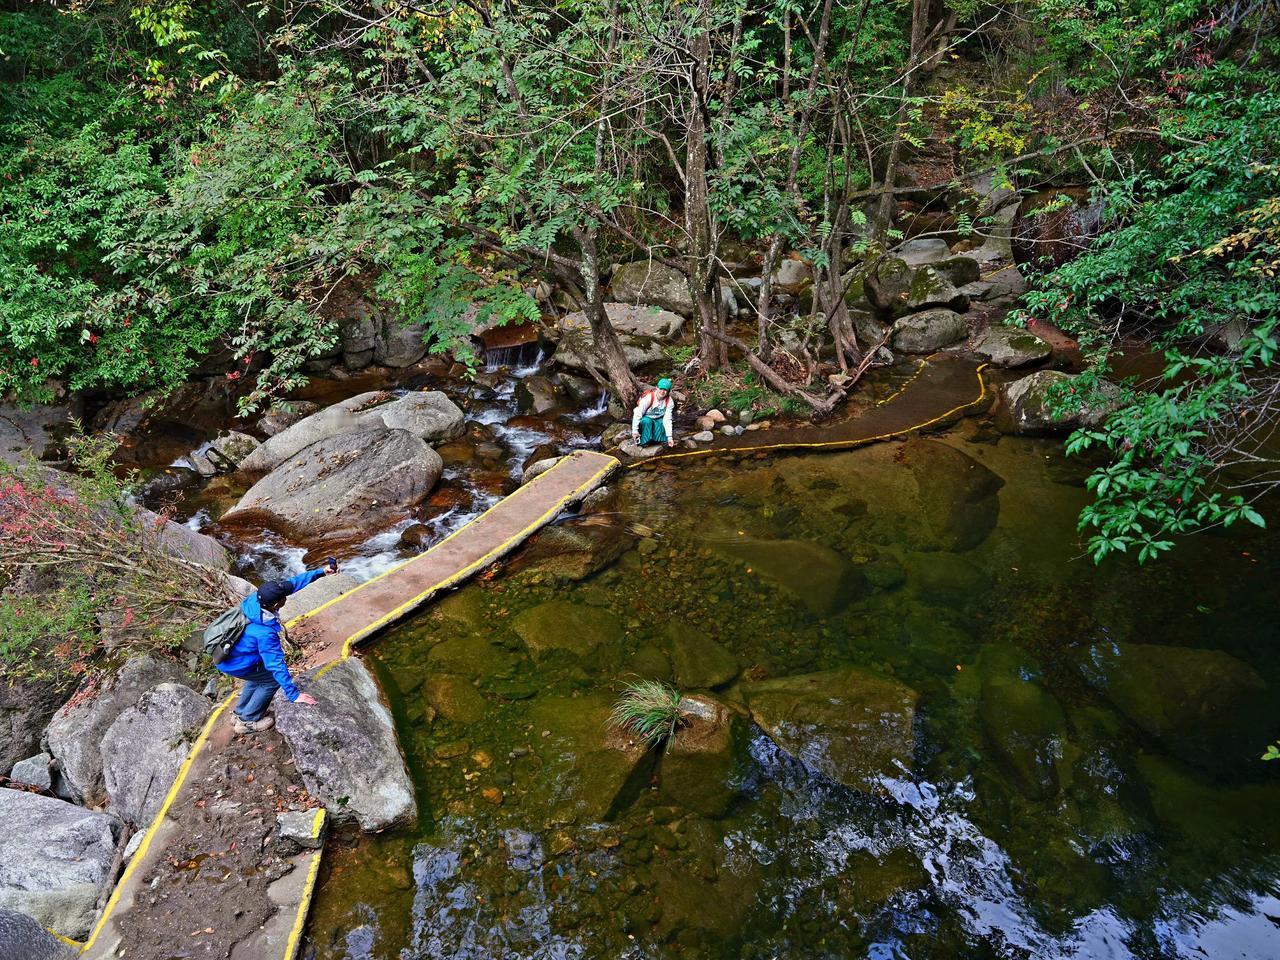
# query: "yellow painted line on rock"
388 572
140 854
459 575
67 940
824 444
308 889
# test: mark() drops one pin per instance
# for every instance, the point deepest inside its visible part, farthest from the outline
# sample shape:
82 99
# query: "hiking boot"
255 726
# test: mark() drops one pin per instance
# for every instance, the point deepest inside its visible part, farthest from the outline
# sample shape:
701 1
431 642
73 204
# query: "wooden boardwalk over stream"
941 392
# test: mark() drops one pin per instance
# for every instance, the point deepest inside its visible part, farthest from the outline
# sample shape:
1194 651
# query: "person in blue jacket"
258 659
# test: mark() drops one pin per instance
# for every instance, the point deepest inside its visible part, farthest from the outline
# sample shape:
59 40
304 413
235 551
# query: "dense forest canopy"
183 180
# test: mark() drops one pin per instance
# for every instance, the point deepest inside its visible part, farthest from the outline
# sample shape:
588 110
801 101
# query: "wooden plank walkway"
329 633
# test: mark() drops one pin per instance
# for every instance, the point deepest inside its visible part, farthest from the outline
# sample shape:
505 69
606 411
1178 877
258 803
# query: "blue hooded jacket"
259 645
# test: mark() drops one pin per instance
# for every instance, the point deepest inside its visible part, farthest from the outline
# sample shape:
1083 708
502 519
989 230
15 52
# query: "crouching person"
258 657
651 418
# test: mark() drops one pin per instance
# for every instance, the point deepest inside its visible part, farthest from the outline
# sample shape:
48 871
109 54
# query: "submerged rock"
75 733
957 493
1027 408
55 858
698 661
145 746
454 698
589 771
848 724
428 415
573 552
343 487
699 767
1023 724
346 749
824 581
1010 347
588 633
1204 706
929 330
471 655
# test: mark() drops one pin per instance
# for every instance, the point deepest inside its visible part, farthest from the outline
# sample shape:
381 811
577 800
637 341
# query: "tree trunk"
603 337
697 212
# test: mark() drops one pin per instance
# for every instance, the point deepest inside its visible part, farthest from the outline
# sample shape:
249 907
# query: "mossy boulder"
471 656
1204 706
929 330
698 661
1010 347
930 288
454 698
1028 405
958 270
587 633
957 493
848 724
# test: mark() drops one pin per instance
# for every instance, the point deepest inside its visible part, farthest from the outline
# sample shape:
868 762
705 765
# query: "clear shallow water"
1084 778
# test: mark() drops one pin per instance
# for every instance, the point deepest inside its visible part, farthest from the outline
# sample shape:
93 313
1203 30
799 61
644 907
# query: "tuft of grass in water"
649 710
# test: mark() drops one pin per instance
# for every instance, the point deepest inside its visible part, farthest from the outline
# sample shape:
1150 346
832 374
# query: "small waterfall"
521 358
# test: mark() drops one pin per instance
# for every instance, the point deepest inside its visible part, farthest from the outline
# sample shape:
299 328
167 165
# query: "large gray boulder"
1027 408
651 282
921 250
642 329
22 938
1010 347
429 415
850 725
75 732
55 858
346 749
33 771
317 594
399 344
822 579
929 330
37 430
223 454
359 329
145 746
343 486
184 543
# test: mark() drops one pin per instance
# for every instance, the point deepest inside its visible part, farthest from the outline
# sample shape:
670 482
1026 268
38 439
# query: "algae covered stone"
823 580
698 661
574 628
957 493
1010 347
699 767
851 725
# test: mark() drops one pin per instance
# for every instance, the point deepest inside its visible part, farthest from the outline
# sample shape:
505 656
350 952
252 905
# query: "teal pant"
652 431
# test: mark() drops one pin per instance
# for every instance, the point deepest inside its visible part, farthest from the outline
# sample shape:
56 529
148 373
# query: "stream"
1079 777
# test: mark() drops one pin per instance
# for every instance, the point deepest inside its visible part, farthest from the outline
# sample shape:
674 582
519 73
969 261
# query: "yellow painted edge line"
308 889
827 445
459 575
67 940
386 573
141 853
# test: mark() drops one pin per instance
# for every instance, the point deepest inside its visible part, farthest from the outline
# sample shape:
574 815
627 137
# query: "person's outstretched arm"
306 577
666 419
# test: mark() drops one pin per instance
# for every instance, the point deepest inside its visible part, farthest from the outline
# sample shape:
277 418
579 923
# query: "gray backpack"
224 633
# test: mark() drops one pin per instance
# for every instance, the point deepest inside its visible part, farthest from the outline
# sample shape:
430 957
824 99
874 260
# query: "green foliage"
46 637
1194 253
649 710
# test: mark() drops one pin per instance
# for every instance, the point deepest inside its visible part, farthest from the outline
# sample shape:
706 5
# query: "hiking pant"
652 430
259 687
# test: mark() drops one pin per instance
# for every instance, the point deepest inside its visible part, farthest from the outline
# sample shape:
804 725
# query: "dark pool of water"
1082 778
